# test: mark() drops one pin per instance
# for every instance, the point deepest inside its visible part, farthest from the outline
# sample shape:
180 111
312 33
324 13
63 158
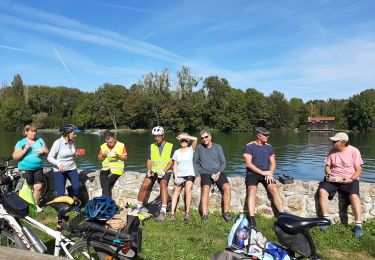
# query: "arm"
101 155
197 165
19 153
169 165
250 165
194 143
223 163
52 154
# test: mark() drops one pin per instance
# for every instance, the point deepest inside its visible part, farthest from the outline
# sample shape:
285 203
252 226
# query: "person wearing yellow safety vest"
160 154
112 154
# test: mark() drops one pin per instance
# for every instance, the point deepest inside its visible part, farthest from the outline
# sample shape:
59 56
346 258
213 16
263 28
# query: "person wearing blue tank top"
29 151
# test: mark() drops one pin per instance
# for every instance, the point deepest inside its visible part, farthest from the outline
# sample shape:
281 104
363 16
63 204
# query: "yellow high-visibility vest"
114 164
160 161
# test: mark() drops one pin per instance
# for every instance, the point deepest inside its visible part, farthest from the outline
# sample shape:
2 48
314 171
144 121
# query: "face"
159 138
339 145
184 143
31 134
110 142
263 138
72 136
206 138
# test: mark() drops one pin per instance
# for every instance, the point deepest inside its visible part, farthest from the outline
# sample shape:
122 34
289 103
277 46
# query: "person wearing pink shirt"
343 169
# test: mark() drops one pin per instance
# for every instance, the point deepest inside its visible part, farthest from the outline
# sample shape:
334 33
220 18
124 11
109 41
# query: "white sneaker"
38 209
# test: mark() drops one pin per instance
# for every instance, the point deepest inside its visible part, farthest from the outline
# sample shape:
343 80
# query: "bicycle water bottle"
35 241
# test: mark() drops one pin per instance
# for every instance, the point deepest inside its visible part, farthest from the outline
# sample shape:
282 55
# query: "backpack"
249 240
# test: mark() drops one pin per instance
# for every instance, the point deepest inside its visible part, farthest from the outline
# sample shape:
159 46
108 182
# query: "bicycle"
97 241
7 171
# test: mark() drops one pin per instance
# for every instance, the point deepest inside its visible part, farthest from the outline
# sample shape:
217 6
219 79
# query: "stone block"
295 203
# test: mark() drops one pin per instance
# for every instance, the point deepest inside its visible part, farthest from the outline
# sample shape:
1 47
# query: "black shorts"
154 177
186 178
253 179
33 176
333 187
207 180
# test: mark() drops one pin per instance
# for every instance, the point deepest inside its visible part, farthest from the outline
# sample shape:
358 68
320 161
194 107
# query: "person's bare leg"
274 190
226 196
205 190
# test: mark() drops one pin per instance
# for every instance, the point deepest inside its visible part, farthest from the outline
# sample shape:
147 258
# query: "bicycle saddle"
6 158
62 205
293 224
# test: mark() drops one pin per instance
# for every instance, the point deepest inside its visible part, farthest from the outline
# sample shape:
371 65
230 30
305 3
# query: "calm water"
298 154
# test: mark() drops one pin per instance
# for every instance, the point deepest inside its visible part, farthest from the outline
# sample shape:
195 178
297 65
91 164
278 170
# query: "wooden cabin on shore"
321 124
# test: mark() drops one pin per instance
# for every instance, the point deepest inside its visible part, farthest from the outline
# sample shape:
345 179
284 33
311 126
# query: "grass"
197 240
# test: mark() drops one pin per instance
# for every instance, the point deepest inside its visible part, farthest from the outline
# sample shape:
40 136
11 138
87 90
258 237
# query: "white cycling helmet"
158 130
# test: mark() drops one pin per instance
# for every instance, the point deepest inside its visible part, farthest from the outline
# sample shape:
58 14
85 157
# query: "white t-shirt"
184 161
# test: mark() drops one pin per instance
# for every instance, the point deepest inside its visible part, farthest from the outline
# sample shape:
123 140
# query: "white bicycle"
87 240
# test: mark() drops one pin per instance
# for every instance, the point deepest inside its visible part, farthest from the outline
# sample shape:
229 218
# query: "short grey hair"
205 132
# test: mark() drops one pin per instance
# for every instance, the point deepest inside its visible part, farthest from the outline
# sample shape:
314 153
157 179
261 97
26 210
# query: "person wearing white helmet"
160 154
343 169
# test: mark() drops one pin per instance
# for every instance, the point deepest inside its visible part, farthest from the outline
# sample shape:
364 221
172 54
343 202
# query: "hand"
26 147
80 152
270 179
347 180
217 176
197 180
268 173
61 168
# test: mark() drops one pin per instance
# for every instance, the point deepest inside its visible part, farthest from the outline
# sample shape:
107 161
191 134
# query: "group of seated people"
192 163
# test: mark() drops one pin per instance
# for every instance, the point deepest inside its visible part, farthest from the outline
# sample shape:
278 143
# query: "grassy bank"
195 240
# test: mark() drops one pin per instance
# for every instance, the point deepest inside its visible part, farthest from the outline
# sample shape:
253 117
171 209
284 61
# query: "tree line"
181 103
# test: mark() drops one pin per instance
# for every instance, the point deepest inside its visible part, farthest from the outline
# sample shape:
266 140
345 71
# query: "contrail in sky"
64 65
17 49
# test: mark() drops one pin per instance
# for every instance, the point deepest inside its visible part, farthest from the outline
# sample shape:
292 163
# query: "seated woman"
30 151
184 175
63 155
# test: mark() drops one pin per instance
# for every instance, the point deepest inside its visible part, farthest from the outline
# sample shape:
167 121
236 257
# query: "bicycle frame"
60 240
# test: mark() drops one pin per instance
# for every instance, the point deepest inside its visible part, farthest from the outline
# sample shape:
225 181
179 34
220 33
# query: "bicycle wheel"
93 250
9 239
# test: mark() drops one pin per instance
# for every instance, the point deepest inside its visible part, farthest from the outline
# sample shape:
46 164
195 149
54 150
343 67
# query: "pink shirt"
343 163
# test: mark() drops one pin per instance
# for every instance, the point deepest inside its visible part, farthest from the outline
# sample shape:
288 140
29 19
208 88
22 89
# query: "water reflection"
301 155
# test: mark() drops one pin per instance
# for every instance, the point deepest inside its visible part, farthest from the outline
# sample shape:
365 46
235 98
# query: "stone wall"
298 198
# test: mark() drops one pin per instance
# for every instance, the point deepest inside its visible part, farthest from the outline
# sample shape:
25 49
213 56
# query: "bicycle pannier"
15 205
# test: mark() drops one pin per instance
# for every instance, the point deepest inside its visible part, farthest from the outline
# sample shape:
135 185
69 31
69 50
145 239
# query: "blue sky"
305 49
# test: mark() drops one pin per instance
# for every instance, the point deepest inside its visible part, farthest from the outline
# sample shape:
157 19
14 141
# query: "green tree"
257 108
17 86
83 114
14 114
360 110
280 112
109 102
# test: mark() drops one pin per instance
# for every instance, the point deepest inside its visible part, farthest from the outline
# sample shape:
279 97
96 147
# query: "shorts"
207 180
253 179
33 176
186 178
333 187
154 178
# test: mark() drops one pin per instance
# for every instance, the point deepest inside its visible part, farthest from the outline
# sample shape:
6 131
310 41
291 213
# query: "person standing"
112 154
160 154
63 155
30 151
209 163
343 169
182 163
260 166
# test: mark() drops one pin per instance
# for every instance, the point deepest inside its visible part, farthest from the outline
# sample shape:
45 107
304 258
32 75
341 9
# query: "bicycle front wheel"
9 239
92 250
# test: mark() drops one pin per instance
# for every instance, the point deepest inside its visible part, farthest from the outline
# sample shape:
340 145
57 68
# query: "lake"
300 155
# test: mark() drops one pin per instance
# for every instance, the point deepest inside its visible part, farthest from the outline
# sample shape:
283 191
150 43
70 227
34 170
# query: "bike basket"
78 222
15 205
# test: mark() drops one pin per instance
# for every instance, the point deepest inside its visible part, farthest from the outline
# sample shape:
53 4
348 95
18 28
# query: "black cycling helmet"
67 129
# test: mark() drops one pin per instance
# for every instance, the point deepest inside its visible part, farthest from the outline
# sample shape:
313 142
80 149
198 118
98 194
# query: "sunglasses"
204 137
184 141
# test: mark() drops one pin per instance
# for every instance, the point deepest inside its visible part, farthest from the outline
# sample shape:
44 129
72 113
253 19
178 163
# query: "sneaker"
142 210
252 221
38 209
204 218
358 232
173 217
227 217
187 216
325 227
161 216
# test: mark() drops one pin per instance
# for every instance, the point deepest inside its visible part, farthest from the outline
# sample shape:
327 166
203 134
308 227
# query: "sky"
306 49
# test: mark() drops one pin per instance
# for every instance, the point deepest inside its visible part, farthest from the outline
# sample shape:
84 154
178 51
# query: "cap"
340 137
76 130
262 130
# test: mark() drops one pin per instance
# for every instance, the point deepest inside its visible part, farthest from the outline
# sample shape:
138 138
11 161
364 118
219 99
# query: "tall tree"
257 108
360 111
